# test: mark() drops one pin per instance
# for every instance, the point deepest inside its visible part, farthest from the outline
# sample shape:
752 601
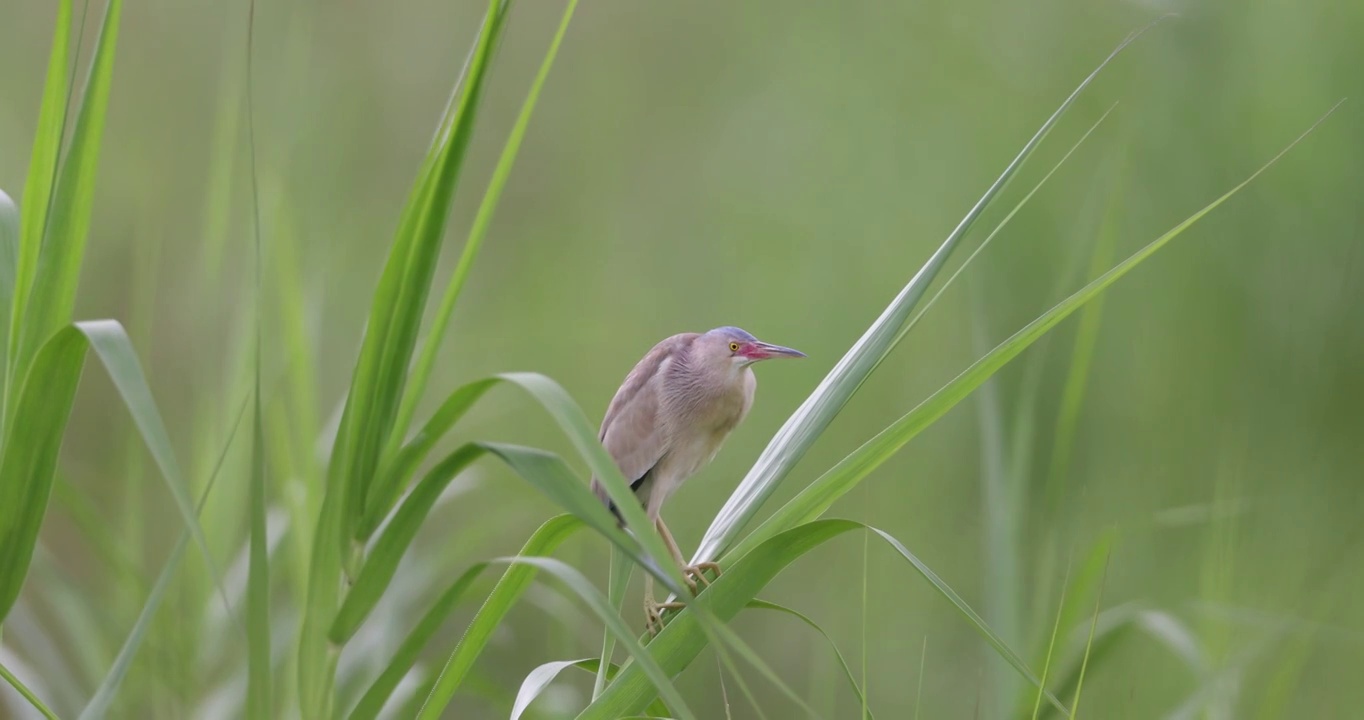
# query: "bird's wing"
633 431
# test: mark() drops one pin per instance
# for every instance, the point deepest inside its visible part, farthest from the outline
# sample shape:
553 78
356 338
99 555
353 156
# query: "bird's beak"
763 351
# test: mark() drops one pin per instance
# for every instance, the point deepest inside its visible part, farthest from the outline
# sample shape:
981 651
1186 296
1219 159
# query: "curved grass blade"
544 470
47 306
38 186
383 560
648 549
541 677
815 499
395 474
598 603
682 640
421 373
571 420
508 590
757 604
819 409
538 679
29 458
372 702
31 443
27 694
98 707
376 385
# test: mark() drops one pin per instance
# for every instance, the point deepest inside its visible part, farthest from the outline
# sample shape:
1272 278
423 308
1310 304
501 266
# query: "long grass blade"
815 499
377 382
111 344
799 431
400 299
47 306
30 457
421 372
31 444
682 638
38 186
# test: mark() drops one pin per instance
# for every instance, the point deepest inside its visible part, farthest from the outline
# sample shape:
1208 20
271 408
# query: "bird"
670 418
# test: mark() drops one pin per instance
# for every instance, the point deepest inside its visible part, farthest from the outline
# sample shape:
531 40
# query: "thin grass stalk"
1051 644
923 667
258 583
1089 643
26 693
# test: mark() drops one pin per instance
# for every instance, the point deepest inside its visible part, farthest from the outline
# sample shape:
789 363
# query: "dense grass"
333 557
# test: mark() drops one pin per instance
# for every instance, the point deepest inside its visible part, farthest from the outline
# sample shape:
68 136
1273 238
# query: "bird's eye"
734 347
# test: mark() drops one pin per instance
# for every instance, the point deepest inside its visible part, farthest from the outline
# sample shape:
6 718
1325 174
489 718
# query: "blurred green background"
784 167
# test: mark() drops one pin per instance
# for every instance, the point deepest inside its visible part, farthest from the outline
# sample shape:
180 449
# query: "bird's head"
730 344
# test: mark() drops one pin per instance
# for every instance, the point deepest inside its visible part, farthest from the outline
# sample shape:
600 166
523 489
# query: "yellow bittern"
669 419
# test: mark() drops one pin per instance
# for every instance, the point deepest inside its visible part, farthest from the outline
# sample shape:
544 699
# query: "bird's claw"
653 614
698 571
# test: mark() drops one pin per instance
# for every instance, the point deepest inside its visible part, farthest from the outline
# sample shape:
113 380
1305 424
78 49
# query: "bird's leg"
653 610
688 571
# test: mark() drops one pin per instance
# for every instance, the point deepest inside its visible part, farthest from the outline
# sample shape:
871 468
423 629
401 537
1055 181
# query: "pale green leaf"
47 306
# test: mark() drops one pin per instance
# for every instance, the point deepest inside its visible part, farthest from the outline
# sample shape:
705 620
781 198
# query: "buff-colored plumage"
675 409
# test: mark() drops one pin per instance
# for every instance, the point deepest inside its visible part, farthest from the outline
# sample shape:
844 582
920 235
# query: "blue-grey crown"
734 332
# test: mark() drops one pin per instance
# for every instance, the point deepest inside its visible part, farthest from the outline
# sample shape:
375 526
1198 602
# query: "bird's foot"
653 614
698 572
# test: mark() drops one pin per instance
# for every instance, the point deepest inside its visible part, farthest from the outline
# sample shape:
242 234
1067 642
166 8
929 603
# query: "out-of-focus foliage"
785 168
